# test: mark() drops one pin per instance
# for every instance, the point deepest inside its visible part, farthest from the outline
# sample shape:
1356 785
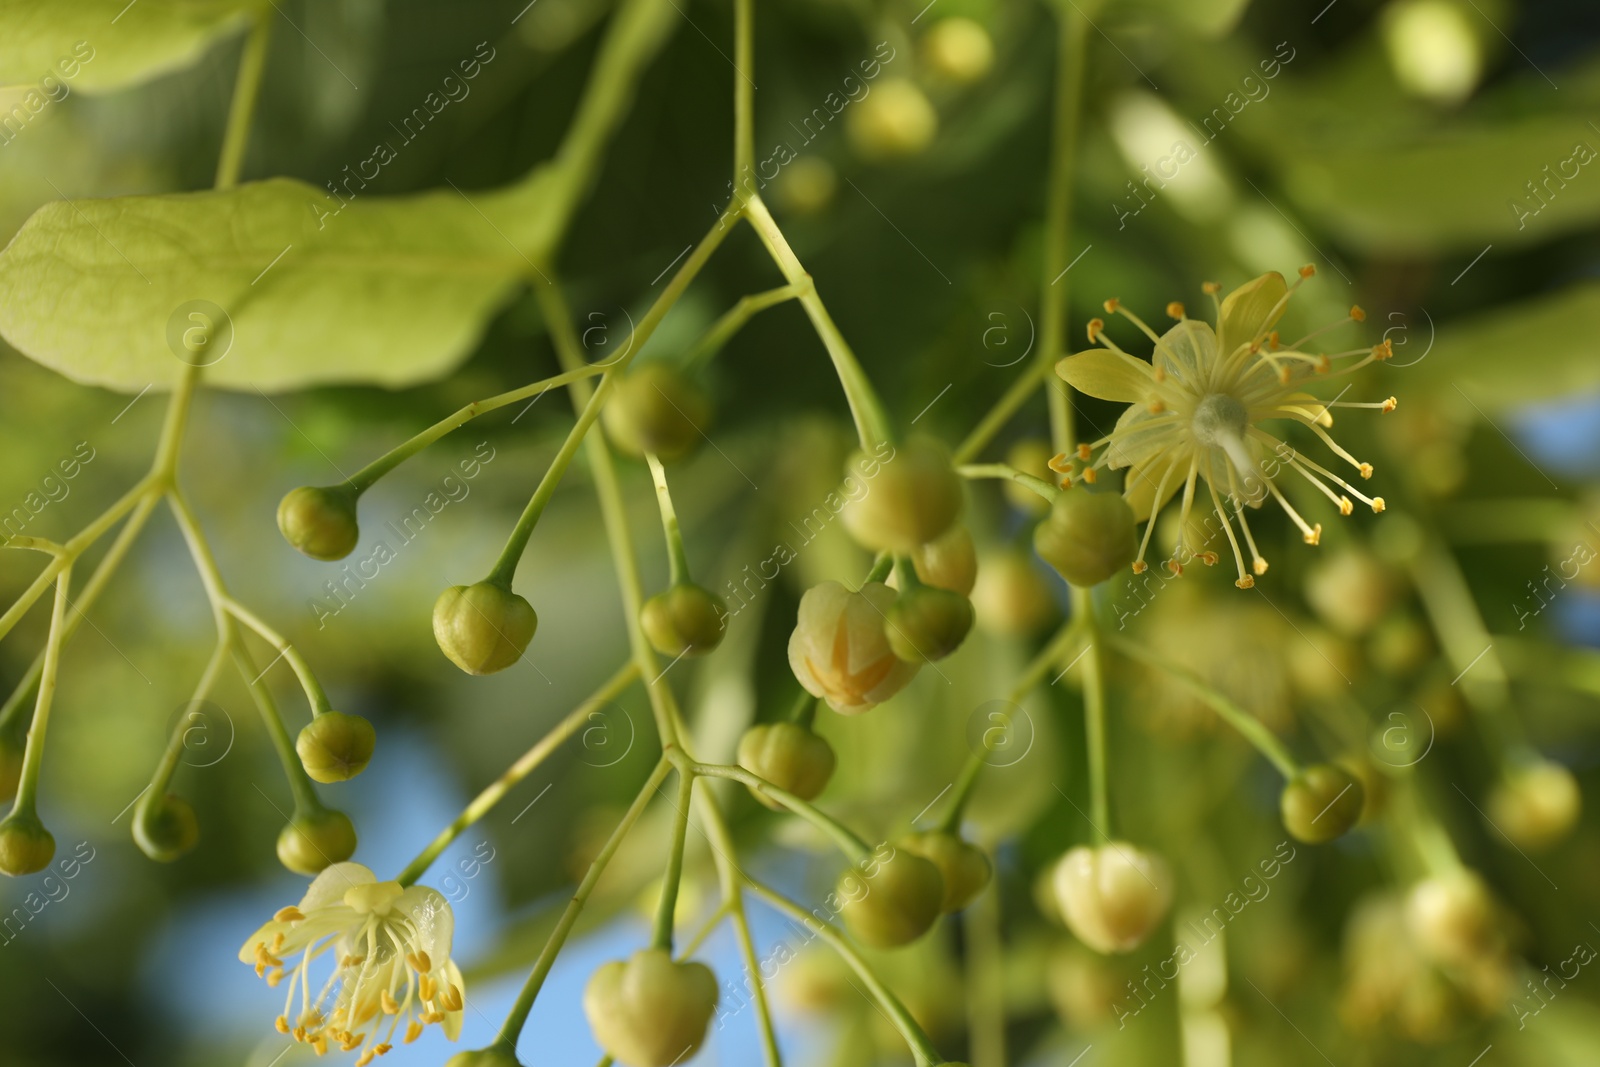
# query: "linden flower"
839 650
391 949
1197 412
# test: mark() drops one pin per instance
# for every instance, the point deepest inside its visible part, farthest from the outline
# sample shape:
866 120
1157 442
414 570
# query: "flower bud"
1321 803
963 867
806 186
839 650
686 620
896 903
958 50
313 841
1087 537
483 628
949 561
1112 896
915 497
335 747
894 121
165 829
1350 590
26 847
928 624
1452 917
493 1056
320 521
1536 805
650 1011
656 409
789 756
1010 597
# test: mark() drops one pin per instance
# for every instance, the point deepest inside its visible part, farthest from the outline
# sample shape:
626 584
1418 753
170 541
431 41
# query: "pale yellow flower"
1197 413
839 650
391 952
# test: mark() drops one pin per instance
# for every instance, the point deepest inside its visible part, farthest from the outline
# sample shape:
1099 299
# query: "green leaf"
390 291
1516 354
103 45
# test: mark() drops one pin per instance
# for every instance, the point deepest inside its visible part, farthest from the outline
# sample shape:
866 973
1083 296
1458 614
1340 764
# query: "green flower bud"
686 620
1537 805
11 751
1321 803
26 847
789 756
335 747
894 121
165 829
894 904
1452 917
1112 896
949 561
311 842
927 623
1011 597
958 50
655 409
1087 537
320 521
483 628
650 1011
914 497
964 868
493 1056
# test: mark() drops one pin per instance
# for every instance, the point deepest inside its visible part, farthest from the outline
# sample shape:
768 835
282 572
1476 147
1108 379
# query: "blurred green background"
1430 157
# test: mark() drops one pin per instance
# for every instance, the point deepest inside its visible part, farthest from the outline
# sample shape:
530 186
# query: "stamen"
1309 535
1096 326
1084 452
413 1031
420 961
1150 523
288 915
1245 581
1357 314
1060 463
1088 475
1308 270
1175 311
281 1024
1188 503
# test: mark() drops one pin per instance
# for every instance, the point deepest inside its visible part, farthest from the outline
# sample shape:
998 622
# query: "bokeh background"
1404 147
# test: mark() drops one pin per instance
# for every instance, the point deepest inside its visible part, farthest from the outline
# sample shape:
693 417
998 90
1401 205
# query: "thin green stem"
920 1044
667 906
669 522
517 543
961 793
315 695
993 422
986 1007
732 321
246 91
518 1016
168 764
1265 741
1005 471
513 775
744 153
33 754
1054 280
872 424
367 476
851 845
804 712
1094 711
881 567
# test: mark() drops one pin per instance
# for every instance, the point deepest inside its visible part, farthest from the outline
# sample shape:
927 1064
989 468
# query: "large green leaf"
390 291
103 45
1518 353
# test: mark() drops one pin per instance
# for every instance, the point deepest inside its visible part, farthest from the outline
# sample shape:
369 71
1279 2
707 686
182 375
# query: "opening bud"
839 650
926 623
320 521
650 1011
483 628
891 902
1321 803
789 756
335 747
26 847
914 497
1087 537
686 620
316 840
656 409
963 867
1113 896
165 828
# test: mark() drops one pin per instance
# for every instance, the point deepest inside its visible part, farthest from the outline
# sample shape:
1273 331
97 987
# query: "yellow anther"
1315 536
1308 270
1378 504
1157 407
1283 374
1272 339
319 1045
1390 404
365 1058
1095 326
1246 582
382 1049
352 961
299 1033
1357 314
1140 566
1383 350
1112 305
290 914
281 1024
274 976
431 1017
1089 475
1175 567
1365 469
427 988
277 942
1345 507
419 961
1066 481
1324 364
451 999
1259 566
1060 463
1208 558
390 1007
413 1031
1175 310
348 1041
1211 287
1084 452
1159 374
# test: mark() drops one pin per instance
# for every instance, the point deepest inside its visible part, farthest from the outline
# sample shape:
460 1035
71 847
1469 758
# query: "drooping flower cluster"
391 950
1197 411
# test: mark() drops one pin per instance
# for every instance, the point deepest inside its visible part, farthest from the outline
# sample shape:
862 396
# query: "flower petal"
434 921
1099 372
1250 310
329 887
1187 352
1139 488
